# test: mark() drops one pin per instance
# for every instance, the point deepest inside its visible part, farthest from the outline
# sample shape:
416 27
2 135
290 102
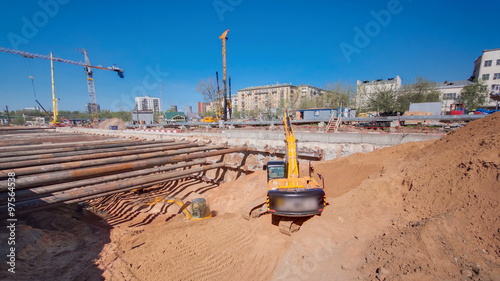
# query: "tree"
338 95
422 90
384 99
474 95
208 90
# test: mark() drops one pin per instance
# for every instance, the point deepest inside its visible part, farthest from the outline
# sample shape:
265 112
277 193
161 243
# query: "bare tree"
338 95
208 89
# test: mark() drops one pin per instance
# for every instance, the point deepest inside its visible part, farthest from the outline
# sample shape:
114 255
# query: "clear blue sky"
284 41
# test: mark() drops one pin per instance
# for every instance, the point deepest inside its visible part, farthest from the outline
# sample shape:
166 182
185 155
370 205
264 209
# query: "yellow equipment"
209 119
194 210
289 196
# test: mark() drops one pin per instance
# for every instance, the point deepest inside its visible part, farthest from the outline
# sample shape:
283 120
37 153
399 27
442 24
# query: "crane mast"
94 112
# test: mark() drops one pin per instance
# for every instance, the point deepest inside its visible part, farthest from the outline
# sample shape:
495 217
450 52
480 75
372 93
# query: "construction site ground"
417 211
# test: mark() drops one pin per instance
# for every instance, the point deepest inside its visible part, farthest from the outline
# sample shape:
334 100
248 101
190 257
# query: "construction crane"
224 101
88 70
291 199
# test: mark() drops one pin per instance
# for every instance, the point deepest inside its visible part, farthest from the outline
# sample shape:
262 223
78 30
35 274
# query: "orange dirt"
417 211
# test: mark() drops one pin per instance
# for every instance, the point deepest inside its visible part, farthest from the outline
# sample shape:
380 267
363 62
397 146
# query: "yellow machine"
209 119
290 198
195 210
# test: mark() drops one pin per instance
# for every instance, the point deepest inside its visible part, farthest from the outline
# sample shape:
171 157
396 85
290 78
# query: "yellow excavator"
290 198
196 210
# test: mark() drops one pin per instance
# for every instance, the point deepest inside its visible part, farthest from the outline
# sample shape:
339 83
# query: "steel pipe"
24 193
47 161
102 161
29 150
67 175
87 151
122 185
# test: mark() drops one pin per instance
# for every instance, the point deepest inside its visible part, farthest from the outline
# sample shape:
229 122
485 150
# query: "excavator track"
254 210
288 226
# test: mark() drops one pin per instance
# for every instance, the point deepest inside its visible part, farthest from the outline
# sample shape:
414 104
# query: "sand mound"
104 125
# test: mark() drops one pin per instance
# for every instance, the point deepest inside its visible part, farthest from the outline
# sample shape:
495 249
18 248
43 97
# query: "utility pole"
54 98
8 115
223 37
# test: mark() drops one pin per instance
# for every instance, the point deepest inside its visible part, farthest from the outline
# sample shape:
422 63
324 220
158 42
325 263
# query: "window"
495 88
486 77
487 63
498 62
449 96
496 76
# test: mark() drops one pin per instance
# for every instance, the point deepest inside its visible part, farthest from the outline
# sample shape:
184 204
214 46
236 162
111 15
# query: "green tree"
474 95
422 90
384 100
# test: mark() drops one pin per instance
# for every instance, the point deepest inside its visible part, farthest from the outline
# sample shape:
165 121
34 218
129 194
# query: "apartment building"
270 97
366 89
147 103
450 91
487 68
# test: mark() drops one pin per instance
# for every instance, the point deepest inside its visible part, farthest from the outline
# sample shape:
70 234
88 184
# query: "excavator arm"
291 147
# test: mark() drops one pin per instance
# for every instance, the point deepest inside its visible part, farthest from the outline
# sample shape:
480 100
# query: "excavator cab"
276 170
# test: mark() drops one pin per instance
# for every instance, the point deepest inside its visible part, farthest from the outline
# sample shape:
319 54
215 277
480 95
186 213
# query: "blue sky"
285 41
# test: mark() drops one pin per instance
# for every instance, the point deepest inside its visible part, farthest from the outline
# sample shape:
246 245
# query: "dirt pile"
105 125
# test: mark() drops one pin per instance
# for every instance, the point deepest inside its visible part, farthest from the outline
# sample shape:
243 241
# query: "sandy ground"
417 211
111 122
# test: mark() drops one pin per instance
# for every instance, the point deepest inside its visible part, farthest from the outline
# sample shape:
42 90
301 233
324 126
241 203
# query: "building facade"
366 89
147 103
202 107
271 97
487 69
450 91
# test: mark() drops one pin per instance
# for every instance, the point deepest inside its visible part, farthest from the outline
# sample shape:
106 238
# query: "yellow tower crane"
88 70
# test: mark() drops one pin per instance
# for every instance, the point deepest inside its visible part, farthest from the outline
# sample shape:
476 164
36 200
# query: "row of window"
490 62
496 76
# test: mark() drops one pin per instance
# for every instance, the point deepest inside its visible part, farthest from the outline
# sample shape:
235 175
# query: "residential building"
189 110
202 107
147 103
487 69
450 91
87 108
173 108
271 97
366 89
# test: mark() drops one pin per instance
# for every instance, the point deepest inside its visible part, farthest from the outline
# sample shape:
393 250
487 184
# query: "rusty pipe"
122 185
102 161
88 151
86 198
24 193
70 148
67 175
38 162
